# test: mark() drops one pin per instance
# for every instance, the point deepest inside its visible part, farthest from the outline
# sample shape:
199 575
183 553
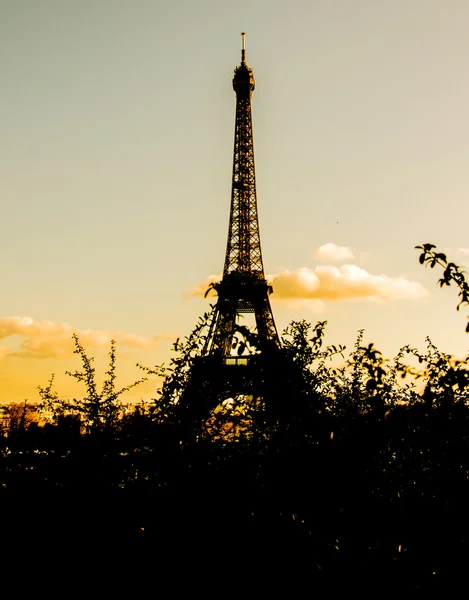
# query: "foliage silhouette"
332 464
97 410
451 274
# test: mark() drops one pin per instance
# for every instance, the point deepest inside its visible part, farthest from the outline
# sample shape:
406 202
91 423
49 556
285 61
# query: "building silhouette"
243 288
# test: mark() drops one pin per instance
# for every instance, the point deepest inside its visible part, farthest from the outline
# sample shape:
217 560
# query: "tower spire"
243 288
243 48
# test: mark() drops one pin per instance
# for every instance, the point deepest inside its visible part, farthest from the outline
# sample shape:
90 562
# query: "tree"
97 410
18 416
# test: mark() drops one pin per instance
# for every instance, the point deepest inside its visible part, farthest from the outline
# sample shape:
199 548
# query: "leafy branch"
97 409
452 273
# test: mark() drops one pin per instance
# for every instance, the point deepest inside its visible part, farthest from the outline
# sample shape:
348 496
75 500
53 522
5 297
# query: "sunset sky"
117 122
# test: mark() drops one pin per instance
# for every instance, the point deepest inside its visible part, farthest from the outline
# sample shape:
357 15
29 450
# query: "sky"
117 122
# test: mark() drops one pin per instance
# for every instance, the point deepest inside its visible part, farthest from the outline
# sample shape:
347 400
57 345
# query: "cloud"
332 252
347 282
464 251
47 339
202 287
311 287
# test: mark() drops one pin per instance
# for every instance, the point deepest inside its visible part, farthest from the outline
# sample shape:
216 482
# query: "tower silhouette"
243 288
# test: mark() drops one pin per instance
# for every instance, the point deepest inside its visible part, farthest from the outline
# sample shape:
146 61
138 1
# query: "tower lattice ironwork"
243 288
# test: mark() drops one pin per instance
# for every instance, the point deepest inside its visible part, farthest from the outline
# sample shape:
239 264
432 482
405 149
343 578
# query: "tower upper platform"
243 80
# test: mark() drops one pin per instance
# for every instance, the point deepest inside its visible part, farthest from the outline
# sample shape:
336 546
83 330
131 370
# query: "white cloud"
347 282
332 252
464 250
311 287
47 339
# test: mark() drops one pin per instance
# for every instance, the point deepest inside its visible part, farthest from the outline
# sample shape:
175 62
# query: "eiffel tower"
243 288
235 361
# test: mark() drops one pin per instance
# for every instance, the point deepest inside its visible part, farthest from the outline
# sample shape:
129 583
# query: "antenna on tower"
243 48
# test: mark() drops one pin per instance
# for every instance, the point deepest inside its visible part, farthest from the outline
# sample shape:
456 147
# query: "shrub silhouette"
97 410
342 464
